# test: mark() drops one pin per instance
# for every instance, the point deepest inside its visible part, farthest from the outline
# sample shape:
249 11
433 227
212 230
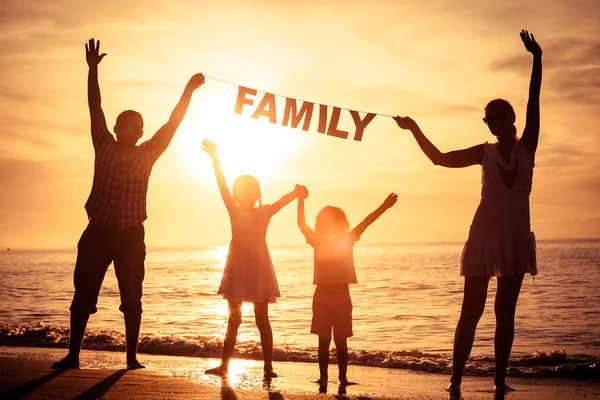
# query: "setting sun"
246 145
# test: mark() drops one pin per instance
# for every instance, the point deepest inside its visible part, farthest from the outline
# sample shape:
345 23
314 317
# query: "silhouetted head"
331 221
129 127
500 118
246 191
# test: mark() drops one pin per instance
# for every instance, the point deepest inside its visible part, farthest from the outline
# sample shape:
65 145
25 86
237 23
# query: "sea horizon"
290 245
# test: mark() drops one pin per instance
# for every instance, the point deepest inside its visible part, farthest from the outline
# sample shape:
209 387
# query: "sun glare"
246 145
219 254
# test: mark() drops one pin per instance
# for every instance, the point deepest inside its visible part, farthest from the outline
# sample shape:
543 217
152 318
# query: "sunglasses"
490 119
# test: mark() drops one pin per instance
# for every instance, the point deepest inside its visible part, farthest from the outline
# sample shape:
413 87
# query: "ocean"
406 306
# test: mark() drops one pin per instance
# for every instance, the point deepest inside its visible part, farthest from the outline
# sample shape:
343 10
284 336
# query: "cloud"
571 69
151 85
564 150
579 85
19 94
567 53
29 139
33 126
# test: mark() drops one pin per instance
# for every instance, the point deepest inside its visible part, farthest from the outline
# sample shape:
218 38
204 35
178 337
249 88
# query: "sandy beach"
26 374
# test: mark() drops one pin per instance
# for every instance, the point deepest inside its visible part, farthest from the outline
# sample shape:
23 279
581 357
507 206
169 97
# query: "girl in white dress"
248 275
500 241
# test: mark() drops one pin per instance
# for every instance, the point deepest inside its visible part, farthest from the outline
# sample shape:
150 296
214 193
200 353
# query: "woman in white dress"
248 275
500 241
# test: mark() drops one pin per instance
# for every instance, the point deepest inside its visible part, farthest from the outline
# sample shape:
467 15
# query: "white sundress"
249 275
500 240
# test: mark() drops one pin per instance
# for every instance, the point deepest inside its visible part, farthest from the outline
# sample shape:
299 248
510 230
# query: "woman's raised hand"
405 122
530 44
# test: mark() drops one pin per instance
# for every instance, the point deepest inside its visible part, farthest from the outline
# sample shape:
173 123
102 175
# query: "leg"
342 330
133 323
233 324
505 306
341 346
93 259
261 316
324 342
322 325
475 293
129 268
77 324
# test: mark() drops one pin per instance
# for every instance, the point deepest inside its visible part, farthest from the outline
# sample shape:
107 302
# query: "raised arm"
211 148
162 138
287 199
100 133
308 233
387 203
453 159
531 132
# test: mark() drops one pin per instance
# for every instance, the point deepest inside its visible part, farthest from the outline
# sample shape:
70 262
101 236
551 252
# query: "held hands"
92 53
406 123
530 44
390 200
301 192
196 81
210 148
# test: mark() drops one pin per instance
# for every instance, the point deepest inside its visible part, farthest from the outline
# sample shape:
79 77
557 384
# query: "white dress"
500 240
249 275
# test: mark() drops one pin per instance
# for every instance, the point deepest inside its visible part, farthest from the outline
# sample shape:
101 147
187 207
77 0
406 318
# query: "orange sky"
435 61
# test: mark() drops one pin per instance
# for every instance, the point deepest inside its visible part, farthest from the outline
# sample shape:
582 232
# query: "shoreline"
26 373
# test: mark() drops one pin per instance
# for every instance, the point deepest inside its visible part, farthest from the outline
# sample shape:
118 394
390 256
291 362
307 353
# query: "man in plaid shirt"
116 211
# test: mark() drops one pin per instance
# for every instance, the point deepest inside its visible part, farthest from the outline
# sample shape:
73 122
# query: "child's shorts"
332 311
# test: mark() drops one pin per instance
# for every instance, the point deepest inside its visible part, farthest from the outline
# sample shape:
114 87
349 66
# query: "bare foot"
346 382
218 371
134 364
454 391
69 362
503 388
269 374
322 381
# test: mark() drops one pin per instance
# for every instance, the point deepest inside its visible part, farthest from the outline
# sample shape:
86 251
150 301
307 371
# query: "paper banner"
299 114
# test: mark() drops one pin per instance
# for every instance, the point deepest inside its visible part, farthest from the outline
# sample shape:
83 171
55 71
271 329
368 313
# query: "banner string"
280 95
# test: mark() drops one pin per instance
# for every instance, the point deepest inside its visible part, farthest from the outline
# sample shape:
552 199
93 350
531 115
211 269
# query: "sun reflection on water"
237 369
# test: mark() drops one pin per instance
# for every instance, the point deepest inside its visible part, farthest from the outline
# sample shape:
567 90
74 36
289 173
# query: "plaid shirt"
118 196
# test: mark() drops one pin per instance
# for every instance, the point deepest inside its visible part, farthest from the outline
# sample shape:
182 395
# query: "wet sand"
26 374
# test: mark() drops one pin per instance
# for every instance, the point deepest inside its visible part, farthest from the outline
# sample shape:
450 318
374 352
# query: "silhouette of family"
500 242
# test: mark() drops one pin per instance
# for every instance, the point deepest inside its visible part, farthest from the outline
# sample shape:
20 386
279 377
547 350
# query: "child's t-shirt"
334 259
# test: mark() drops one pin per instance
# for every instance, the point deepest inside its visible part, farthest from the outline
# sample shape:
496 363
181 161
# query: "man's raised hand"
92 53
196 81
390 200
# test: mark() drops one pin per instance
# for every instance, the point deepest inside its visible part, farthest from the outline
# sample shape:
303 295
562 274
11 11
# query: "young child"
333 243
248 275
